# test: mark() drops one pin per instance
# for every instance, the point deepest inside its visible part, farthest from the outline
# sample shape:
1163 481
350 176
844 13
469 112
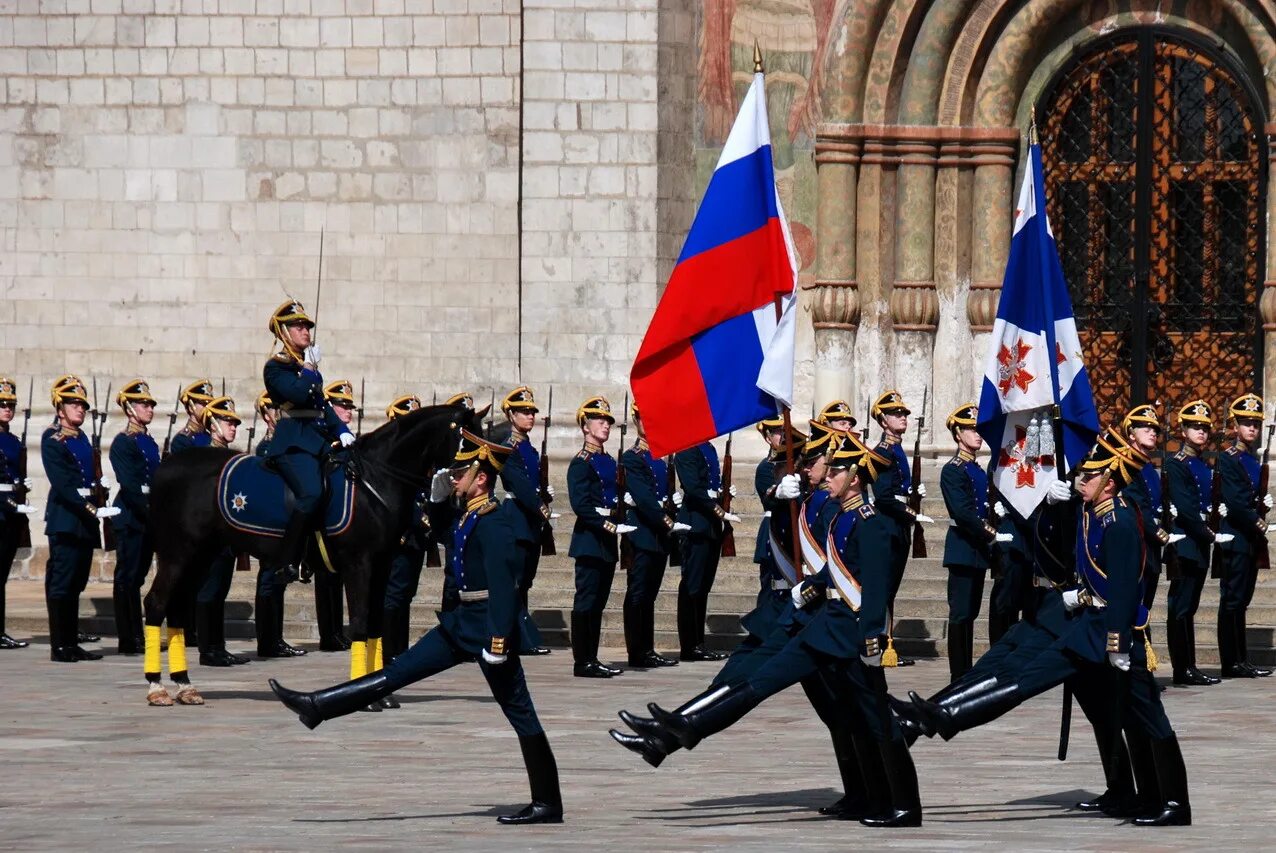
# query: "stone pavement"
87 765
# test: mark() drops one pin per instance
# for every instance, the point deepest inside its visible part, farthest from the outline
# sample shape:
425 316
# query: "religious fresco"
794 37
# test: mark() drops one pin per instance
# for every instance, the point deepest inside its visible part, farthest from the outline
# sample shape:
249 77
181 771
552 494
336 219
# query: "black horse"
394 464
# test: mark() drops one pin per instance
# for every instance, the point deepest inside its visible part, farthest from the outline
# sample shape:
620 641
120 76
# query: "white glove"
789 487
677 499
874 660
1120 660
106 483
1174 511
28 483
924 519
1224 538
795 593
1176 537
1000 509
1004 537
27 509
488 657
1060 492
107 512
440 485
312 355
921 489
625 528
731 489
603 511
1071 599
554 515
629 500
506 496
549 490
731 517
679 527
346 439
713 493
1222 510
1267 501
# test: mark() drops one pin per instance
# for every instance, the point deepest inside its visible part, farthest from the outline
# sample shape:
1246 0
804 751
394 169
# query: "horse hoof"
158 697
188 695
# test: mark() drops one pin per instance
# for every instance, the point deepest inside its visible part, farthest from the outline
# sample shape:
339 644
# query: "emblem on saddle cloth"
253 498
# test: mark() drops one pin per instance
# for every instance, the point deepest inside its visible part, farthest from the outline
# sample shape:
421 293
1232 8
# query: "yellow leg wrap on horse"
176 650
151 659
374 654
358 659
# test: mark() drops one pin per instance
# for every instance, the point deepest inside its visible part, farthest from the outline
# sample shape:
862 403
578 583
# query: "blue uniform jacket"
646 480
1238 471
10 451
764 479
68 464
1144 493
483 557
1189 486
965 488
698 472
134 458
263 446
591 483
861 538
520 478
895 480
1110 565
189 437
294 388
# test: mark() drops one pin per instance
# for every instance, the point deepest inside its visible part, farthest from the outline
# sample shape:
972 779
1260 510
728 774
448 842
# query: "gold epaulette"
490 506
584 453
867 511
1232 451
1181 455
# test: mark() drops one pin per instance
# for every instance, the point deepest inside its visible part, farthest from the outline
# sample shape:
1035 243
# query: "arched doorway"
1155 182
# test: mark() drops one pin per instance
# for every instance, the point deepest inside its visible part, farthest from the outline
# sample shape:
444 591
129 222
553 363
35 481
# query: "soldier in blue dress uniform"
774 583
890 493
521 479
844 638
13 505
409 558
70 518
1104 642
272 584
1238 469
134 458
647 487
1189 482
701 478
837 415
1142 430
194 398
330 590
591 488
221 423
307 424
971 537
485 626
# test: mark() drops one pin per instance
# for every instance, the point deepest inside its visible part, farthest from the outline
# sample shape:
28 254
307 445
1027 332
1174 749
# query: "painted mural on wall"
794 36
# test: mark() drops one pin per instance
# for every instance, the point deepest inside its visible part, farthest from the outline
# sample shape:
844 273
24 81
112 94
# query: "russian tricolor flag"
716 358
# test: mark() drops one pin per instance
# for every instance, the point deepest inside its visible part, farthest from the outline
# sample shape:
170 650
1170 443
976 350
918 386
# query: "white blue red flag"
716 357
1034 361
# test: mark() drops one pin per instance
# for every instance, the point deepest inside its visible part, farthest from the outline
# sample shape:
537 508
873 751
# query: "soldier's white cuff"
84 493
6 487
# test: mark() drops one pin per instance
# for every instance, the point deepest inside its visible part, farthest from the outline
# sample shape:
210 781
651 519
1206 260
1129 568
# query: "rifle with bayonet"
1169 554
1216 516
100 495
618 512
868 419
1263 557
724 499
24 532
172 419
363 396
242 561
547 532
433 559
914 489
671 510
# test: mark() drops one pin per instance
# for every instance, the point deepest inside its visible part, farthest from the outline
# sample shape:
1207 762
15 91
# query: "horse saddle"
254 498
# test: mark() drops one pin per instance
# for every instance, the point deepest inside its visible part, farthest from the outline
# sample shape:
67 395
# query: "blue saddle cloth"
255 499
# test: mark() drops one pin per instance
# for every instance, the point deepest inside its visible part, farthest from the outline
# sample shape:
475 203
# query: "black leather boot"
293 546
1119 798
708 714
960 641
264 622
390 634
686 625
853 803
314 708
1189 649
595 639
286 649
652 749
211 652
901 776
1171 774
1143 763
1227 645
71 625
542 775
966 712
123 611
584 666
59 651
634 648
1242 648
653 658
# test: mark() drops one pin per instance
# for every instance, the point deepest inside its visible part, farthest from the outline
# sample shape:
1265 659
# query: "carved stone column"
834 297
914 303
992 221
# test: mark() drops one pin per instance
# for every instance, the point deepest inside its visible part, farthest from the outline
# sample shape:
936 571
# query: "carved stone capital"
1267 306
835 304
981 306
914 306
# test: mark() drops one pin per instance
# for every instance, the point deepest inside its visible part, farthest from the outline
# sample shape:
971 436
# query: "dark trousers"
400 588
965 597
329 612
70 560
301 471
641 587
1236 587
593 584
1180 615
436 652
529 559
134 552
10 532
216 585
700 556
1011 595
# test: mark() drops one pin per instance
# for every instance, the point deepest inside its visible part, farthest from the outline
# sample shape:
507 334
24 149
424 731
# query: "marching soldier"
194 398
1142 431
307 422
890 493
272 584
409 558
70 519
221 423
1189 486
774 582
134 458
531 522
329 587
591 488
13 505
971 538
1238 469
701 478
837 414
647 487
485 625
